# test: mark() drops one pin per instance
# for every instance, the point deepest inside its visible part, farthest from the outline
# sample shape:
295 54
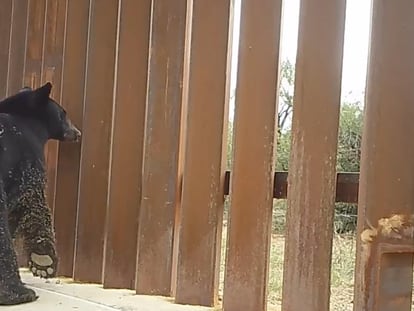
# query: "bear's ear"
42 93
45 89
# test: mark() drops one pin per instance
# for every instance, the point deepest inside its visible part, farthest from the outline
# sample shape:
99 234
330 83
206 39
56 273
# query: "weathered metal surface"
5 29
202 198
250 213
34 43
162 147
346 186
183 139
17 46
383 279
312 169
52 69
96 141
127 146
73 83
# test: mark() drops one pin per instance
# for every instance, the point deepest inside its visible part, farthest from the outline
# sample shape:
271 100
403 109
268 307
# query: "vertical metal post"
203 179
250 215
127 147
312 169
5 31
73 84
96 141
17 46
162 147
34 43
54 37
383 278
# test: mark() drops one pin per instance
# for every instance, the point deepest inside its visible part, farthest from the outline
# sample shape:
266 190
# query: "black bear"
28 120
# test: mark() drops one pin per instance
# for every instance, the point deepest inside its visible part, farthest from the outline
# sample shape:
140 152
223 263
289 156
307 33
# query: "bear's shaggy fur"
28 120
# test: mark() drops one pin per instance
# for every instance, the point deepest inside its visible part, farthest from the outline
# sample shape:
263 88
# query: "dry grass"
341 278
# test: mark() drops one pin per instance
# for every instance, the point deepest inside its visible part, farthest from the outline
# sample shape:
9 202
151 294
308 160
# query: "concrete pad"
65 295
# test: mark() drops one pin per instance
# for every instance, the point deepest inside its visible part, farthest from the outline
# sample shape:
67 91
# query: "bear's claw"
42 266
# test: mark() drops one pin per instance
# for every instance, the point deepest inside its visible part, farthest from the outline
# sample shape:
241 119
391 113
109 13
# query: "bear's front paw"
17 294
43 266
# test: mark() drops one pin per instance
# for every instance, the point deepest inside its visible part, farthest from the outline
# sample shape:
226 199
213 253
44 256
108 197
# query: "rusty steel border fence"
139 203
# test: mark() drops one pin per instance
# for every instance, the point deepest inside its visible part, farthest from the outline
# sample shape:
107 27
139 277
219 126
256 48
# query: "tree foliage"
349 138
287 80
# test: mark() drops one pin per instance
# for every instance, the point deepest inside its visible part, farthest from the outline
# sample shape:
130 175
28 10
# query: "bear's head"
38 105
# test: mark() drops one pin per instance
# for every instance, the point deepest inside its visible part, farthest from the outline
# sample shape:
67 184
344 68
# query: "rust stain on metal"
96 141
160 173
5 32
384 263
394 227
73 82
312 174
202 198
17 46
127 147
250 214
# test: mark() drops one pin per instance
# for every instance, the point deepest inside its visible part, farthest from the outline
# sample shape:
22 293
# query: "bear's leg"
12 290
13 223
39 239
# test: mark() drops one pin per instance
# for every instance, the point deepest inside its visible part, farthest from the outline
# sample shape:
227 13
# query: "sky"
355 48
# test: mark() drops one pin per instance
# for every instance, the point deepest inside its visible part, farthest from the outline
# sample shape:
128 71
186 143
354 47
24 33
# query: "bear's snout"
72 133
